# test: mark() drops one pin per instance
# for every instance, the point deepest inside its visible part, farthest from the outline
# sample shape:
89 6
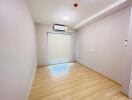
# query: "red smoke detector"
76 4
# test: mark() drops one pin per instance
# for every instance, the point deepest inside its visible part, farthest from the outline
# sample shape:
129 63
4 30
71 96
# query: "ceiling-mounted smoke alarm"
76 4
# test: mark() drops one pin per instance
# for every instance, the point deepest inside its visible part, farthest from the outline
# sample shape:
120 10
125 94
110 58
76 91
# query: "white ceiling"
53 11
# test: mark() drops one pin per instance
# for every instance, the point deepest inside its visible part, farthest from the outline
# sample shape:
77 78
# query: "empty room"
65 49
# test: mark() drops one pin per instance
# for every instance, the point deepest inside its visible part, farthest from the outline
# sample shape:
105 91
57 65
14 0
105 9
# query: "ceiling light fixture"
76 4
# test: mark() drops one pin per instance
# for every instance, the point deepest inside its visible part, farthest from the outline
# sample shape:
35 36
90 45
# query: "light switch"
125 44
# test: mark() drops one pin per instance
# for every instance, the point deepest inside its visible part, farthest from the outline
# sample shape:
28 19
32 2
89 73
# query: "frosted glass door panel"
59 48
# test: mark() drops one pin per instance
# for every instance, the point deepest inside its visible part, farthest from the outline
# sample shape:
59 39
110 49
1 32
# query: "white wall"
128 61
41 30
17 50
101 46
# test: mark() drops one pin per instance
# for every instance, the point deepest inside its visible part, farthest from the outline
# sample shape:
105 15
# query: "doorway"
60 48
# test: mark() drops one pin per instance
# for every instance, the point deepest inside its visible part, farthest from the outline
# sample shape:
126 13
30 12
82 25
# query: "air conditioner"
58 27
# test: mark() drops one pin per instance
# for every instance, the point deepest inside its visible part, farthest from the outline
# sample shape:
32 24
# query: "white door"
59 48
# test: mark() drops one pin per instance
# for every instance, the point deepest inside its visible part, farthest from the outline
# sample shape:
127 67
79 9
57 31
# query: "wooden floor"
72 81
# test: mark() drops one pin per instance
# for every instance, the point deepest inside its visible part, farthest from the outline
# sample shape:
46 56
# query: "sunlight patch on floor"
60 69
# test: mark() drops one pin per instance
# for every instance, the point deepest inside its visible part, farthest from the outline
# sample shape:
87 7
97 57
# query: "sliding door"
59 48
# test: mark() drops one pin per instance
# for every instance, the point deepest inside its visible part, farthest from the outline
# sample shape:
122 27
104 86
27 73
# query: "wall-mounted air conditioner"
58 27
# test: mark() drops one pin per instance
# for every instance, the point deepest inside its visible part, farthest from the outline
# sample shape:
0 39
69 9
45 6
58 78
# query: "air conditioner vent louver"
58 27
